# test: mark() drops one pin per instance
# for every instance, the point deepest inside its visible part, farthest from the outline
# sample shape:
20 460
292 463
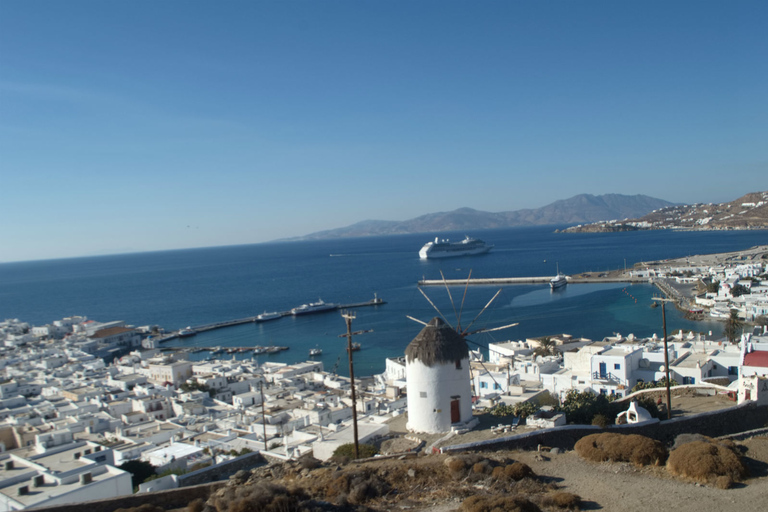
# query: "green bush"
501 410
652 385
348 451
521 410
581 407
585 407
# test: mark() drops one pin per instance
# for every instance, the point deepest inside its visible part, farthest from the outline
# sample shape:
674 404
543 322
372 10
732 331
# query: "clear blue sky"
145 125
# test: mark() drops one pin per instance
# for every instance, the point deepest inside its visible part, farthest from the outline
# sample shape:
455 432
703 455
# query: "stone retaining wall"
741 418
222 471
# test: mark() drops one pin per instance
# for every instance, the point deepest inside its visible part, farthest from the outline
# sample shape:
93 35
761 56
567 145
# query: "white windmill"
437 373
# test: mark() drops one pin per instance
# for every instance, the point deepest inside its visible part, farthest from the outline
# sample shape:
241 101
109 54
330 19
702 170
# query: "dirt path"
623 487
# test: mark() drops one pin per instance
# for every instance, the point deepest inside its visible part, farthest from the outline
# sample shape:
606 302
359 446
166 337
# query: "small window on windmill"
423 394
458 364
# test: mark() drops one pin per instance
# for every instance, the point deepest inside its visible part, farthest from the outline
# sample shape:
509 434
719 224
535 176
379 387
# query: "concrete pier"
529 280
229 323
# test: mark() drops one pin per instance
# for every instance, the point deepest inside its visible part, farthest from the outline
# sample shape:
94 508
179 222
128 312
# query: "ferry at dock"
314 307
558 281
447 249
274 315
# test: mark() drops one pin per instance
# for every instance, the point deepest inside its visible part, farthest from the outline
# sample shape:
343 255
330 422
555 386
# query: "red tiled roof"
757 358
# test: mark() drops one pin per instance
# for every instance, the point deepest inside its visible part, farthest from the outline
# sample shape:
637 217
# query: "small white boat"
185 333
315 352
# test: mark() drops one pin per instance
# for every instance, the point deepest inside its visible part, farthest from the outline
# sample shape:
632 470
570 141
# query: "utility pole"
348 317
666 353
263 412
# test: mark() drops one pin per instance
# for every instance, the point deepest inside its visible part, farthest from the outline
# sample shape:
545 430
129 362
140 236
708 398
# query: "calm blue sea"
198 286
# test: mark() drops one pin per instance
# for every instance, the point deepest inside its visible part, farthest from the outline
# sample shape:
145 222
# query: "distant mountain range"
580 209
747 212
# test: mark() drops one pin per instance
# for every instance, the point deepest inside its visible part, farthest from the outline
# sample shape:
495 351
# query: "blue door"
602 370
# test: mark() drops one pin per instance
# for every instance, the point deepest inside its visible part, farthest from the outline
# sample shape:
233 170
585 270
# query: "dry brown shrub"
337 486
498 472
309 462
196 506
264 497
639 450
146 507
723 482
562 500
704 462
498 503
455 464
483 467
517 471
531 485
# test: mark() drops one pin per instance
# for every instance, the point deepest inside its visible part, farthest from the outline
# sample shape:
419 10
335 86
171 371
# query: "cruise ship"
446 249
314 307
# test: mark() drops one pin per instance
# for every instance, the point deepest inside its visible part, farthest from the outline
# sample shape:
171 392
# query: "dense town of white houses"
68 419
743 287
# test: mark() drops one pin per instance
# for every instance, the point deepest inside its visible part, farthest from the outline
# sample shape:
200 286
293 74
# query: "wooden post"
666 353
263 413
348 317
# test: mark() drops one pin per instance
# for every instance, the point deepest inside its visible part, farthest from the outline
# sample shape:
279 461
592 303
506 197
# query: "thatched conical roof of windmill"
437 343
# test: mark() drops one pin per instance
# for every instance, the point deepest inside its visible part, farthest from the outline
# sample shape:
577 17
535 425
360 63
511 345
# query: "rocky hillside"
747 212
582 208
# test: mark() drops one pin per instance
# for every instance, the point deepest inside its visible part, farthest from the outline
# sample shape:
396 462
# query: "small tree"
733 326
739 290
140 471
524 409
713 286
348 451
547 347
761 320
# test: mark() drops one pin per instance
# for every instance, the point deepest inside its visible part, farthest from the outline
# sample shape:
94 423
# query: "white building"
438 382
70 473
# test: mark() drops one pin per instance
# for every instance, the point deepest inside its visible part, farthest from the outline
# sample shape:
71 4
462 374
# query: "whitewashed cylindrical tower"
437 376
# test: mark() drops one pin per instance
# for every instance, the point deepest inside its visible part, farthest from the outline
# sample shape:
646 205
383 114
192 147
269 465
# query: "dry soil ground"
425 483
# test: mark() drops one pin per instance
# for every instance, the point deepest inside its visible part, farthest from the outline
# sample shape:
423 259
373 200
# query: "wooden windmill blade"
491 330
447 289
433 305
463 299
482 310
416 320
